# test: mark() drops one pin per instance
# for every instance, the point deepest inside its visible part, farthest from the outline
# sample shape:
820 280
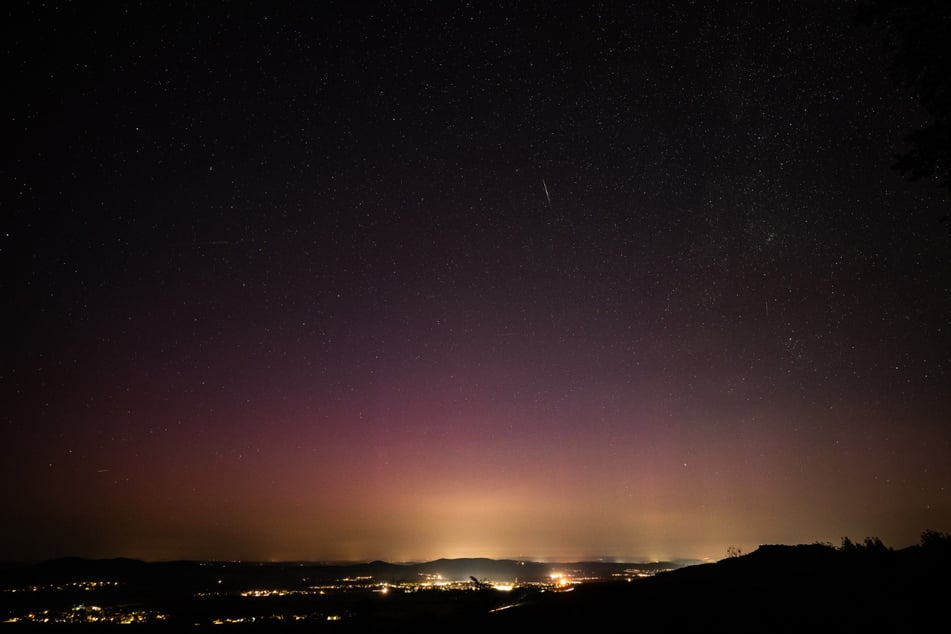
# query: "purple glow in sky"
404 282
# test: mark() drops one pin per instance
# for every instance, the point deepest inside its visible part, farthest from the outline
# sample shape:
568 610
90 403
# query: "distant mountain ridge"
776 588
458 569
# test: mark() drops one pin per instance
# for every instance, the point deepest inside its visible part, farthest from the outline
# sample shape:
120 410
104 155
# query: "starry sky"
407 280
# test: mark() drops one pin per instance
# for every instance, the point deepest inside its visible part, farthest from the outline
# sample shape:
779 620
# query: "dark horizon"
846 543
793 588
354 562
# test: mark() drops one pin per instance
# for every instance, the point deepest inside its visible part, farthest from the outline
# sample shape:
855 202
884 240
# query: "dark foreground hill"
777 588
805 588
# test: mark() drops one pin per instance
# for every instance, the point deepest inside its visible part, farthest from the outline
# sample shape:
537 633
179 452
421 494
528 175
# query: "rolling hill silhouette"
777 588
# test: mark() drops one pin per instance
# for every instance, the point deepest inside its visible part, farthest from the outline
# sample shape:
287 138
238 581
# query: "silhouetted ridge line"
858 587
776 588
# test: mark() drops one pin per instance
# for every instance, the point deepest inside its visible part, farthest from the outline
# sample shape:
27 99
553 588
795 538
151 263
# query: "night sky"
354 281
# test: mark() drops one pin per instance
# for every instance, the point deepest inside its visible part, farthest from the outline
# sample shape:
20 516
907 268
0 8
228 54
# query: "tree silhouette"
936 542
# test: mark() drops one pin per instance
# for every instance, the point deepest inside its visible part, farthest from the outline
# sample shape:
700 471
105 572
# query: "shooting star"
547 197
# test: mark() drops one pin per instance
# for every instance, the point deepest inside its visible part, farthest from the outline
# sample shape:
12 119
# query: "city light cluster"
90 614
